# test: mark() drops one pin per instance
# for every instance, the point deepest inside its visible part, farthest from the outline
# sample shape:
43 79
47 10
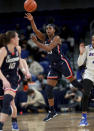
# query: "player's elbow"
79 63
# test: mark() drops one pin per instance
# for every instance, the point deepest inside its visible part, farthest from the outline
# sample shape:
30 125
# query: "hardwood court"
63 122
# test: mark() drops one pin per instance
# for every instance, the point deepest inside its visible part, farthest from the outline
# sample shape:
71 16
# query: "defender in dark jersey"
10 62
59 63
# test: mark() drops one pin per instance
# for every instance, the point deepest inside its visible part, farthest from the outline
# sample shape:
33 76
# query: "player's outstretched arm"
49 47
39 34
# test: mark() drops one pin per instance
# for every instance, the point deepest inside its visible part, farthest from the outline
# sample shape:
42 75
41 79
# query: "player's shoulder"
3 51
89 47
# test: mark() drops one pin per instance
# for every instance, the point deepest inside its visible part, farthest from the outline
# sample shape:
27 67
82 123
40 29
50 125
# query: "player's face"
15 40
50 30
93 41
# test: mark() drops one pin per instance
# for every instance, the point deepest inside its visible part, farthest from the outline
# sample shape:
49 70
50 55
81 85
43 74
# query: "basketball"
30 5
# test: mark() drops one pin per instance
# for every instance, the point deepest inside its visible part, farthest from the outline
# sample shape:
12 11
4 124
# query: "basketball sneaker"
83 122
15 126
50 115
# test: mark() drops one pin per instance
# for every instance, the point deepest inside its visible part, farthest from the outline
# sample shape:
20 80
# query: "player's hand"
28 76
72 94
82 48
6 84
34 38
28 16
57 39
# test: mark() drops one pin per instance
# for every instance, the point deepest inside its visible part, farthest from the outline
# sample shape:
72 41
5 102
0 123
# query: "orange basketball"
30 5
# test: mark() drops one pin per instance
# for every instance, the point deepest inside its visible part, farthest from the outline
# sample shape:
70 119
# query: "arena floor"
63 122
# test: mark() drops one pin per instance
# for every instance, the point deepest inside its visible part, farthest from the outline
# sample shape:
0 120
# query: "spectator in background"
65 31
75 97
68 40
22 39
28 31
34 101
80 72
18 30
41 81
24 52
34 67
31 43
32 47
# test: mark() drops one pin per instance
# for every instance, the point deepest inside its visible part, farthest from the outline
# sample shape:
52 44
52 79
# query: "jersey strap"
6 49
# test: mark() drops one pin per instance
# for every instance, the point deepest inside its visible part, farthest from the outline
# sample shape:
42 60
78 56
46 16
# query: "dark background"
76 14
17 5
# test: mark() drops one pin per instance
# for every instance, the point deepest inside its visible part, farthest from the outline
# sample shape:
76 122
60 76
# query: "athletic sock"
52 108
14 119
1 125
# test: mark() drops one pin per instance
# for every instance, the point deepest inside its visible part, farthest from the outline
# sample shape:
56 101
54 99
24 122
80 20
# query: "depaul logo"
91 54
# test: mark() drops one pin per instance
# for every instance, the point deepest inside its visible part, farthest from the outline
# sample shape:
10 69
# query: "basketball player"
9 65
59 63
13 110
86 56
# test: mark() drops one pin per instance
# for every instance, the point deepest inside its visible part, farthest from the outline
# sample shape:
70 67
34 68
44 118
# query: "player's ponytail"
2 40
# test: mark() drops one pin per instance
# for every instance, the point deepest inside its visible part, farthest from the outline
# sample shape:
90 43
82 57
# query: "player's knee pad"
49 91
6 103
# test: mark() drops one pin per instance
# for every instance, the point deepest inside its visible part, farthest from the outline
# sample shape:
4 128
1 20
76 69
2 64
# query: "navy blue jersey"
10 67
56 53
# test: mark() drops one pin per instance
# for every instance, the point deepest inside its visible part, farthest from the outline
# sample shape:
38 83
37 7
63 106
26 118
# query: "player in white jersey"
86 56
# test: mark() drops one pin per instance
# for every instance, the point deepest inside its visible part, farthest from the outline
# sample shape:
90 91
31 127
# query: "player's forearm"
21 67
39 34
81 60
2 77
47 48
25 65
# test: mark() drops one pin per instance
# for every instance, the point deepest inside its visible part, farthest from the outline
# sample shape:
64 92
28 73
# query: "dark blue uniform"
59 63
9 69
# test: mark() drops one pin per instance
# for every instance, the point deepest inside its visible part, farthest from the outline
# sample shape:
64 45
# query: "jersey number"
12 65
